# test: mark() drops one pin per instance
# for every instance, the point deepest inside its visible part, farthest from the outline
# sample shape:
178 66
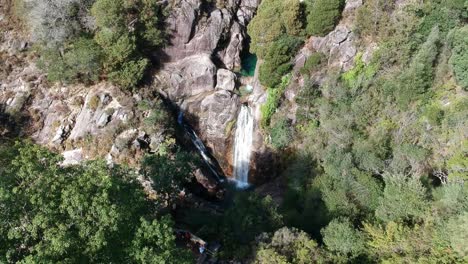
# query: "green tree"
249 216
280 133
341 237
87 213
459 59
322 16
124 30
418 78
154 242
277 61
266 27
288 245
168 172
81 62
404 198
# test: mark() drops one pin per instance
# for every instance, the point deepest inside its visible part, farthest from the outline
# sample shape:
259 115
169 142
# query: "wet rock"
206 181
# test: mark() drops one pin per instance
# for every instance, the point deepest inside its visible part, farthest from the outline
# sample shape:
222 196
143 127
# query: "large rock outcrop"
206 41
217 28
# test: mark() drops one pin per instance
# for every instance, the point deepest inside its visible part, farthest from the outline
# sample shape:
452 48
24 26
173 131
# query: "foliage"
399 188
459 59
249 216
273 99
417 79
168 173
122 29
86 213
54 22
289 245
266 27
277 61
280 133
275 40
341 237
322 16
312 63
154 243
360 71
80 62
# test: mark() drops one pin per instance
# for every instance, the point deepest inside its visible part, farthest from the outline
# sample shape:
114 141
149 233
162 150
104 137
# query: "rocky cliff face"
205 48
206 39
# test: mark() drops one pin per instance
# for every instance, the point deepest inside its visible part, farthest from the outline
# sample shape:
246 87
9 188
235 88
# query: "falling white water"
243 146
199 145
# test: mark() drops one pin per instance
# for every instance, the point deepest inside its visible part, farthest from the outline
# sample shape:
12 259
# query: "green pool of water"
248 64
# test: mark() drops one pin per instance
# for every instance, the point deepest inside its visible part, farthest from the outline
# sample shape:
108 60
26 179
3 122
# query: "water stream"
210 163
243 146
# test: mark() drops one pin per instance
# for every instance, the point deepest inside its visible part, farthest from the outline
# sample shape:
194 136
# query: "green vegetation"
87 213
123 32
379 174
322 16
372 168
280 133
273 100
275 40
277 61
81 62
313 62
459 58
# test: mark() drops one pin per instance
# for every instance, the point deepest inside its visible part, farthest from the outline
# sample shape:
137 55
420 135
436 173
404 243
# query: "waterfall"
199 145
243 146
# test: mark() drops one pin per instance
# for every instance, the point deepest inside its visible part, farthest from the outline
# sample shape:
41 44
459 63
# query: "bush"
80 62
280 133
459 59
312 63
130 73
404 198
322 16
273 98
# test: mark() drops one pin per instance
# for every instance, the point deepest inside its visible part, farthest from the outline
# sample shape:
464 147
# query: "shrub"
130 73
322 16
94 102
280 133
312 63
80 62
273 98
459 59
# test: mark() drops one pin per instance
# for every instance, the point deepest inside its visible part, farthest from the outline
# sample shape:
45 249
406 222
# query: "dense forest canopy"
373 164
